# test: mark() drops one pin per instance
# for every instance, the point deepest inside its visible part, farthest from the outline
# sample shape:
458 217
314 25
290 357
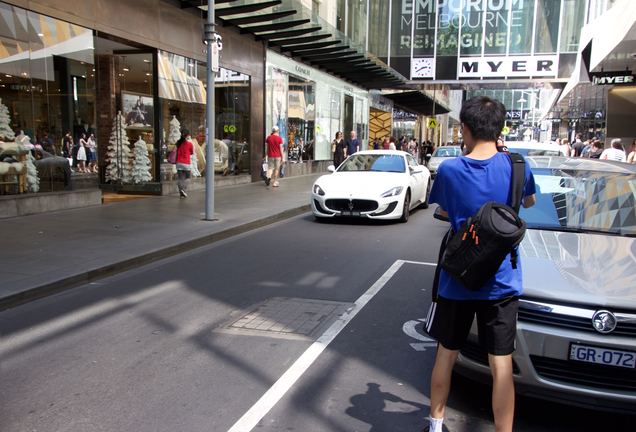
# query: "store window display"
47 85
182 91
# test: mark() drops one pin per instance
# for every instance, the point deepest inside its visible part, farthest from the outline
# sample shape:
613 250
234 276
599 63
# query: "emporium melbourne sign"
418 19
508 66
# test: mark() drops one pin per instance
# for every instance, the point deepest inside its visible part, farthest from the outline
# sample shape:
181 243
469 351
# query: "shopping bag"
172 156
264 168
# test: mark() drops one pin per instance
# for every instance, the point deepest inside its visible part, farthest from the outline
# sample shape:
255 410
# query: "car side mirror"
331 168
439 216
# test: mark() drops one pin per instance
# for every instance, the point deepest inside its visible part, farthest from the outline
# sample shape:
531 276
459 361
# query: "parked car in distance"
440 155
373 184
576 332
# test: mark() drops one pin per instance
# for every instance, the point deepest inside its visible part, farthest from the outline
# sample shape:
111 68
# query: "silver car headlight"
392 192
318 190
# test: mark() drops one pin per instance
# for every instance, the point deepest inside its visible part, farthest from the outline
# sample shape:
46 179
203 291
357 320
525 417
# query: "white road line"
420 263
251 418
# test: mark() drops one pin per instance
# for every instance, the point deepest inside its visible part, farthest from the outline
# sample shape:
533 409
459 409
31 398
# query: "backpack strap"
516 191
438 269
518 180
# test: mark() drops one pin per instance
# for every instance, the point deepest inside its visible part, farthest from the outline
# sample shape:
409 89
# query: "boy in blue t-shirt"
461 187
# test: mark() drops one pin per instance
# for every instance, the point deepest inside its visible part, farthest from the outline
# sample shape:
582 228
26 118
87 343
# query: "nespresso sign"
612 78
508 66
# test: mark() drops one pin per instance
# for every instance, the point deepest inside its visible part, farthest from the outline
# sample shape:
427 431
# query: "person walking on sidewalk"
185 150
274 156
338 149
461 187
352 144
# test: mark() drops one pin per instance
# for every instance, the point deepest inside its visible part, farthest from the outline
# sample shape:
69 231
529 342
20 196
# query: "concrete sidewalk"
47 253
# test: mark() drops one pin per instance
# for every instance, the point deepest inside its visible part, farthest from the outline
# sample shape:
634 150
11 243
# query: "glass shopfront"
309 107
47 90
182 93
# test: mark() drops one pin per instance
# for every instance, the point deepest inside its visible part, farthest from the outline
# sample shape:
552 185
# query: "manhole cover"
290 316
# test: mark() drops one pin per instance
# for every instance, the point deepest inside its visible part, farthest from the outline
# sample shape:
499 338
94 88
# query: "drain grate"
292 316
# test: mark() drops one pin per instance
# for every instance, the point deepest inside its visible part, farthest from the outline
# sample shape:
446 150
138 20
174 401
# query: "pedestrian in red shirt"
274 156
185 149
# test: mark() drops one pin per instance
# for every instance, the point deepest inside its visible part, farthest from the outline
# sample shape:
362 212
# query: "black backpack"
474 254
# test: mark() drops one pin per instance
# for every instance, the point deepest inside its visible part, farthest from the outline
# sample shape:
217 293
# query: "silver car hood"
579 268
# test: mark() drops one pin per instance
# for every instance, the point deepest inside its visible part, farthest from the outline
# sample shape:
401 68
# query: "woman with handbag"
185 149
337 148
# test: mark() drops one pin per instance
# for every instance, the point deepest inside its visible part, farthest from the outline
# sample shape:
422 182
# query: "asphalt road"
300 326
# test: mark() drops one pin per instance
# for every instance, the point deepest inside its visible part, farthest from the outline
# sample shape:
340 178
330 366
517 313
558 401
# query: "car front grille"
586 374
571 317
357 205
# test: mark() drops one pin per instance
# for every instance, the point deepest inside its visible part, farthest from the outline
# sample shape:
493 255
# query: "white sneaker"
275 184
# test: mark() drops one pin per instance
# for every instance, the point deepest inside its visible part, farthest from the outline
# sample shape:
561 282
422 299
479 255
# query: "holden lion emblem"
604 321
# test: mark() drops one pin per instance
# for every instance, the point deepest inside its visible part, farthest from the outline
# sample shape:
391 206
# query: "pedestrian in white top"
614 153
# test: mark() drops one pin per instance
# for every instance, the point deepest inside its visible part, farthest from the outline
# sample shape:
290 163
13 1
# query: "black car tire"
424 205
406 208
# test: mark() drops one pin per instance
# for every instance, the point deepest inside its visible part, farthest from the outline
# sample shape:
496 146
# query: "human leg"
497 325
441 380
503 392
276 171
449 323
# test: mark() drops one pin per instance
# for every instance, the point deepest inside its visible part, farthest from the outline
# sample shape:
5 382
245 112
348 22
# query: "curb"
67 283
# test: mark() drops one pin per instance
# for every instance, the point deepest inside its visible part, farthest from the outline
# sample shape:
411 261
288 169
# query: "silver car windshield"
374 162
583 201
447 152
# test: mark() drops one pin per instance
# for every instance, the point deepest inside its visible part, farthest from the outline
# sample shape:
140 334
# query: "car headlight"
318 190
392 192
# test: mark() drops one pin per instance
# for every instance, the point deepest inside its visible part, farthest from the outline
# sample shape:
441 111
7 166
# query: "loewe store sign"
612 78
508 66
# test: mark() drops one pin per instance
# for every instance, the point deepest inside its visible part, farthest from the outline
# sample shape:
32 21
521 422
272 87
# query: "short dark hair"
484 117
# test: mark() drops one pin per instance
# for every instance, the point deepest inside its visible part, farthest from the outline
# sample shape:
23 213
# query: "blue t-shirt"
461 187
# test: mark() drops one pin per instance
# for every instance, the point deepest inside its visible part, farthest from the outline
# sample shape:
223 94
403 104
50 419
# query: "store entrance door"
348 115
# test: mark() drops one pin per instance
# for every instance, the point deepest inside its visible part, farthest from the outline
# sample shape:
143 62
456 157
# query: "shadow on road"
370 408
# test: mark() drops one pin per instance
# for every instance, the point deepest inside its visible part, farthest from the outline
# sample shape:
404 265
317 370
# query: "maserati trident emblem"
350 204
604 321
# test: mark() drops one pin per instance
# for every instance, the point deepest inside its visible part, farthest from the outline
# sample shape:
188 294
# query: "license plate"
603 356
350 213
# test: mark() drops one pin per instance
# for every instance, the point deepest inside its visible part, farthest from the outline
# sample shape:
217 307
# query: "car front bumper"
542 368
371 208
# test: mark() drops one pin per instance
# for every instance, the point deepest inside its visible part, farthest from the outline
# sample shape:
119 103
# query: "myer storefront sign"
511 66
613 78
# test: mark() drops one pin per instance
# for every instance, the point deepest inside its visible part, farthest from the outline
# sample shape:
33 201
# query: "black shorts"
449 323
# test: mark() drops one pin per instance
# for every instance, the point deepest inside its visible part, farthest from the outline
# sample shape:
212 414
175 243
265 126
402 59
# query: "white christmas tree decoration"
175 131
119 154
141 165
6 133
33 181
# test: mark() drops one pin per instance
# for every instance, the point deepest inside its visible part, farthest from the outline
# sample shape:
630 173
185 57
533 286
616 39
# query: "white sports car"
376 184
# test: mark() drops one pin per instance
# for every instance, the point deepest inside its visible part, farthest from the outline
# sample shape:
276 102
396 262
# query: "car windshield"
583 201
446 152
374 162
535 152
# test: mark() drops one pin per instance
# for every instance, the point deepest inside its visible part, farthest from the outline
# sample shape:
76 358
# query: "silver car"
576 334
440 155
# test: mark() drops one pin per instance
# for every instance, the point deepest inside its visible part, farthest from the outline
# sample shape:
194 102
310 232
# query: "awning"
417 103
295 32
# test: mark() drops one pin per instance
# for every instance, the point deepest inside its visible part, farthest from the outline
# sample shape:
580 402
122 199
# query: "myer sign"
613 78
510 66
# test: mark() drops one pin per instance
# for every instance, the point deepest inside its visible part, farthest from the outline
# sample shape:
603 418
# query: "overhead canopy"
305 38
417 103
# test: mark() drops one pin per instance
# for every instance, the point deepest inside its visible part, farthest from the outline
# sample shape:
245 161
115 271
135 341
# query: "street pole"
210 38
